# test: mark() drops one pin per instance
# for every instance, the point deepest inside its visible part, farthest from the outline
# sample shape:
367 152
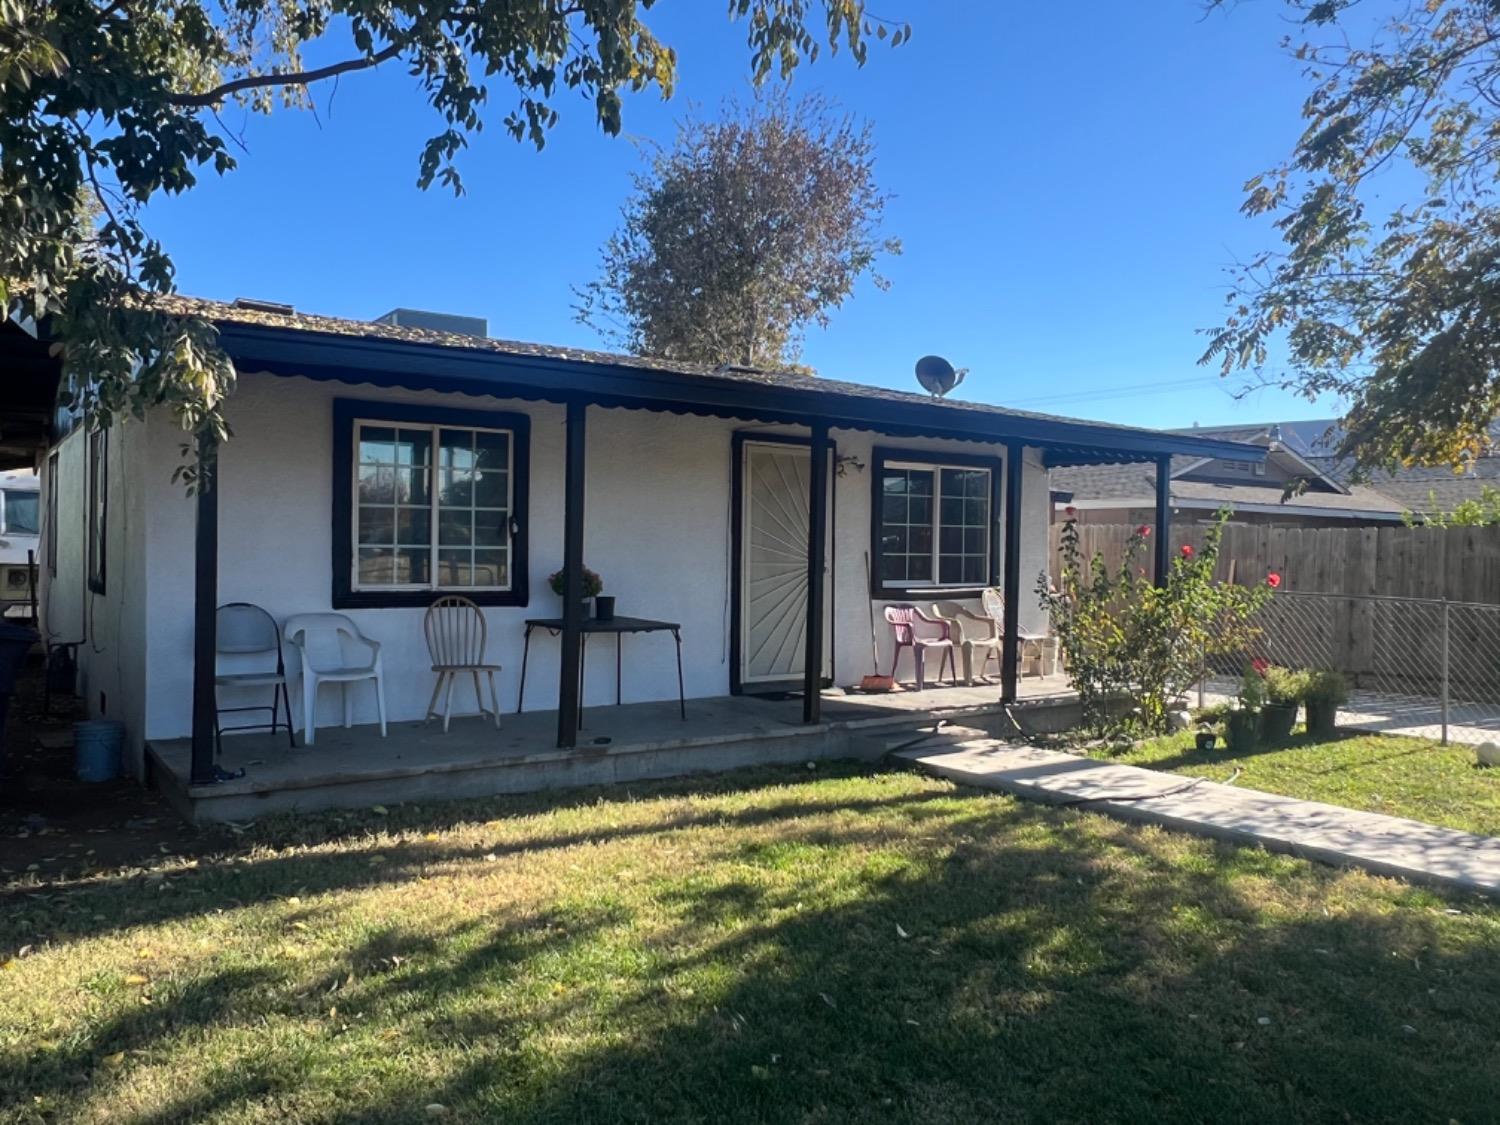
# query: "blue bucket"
96 749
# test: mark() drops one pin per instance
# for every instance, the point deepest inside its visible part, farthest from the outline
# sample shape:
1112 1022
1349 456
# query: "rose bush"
1129 640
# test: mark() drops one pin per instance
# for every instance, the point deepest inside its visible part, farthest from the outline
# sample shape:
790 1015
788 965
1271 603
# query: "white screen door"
773 555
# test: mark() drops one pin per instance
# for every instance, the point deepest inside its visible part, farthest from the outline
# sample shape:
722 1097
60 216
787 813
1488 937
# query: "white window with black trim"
934 521
435 503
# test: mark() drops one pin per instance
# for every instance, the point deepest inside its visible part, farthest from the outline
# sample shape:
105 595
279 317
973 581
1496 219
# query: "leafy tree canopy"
742 233
1386 286
106 104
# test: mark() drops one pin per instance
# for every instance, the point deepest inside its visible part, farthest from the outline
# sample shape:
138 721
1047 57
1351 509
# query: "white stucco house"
376 465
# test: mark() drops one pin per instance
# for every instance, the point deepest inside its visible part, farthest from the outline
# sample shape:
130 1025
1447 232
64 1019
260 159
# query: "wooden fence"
1461 564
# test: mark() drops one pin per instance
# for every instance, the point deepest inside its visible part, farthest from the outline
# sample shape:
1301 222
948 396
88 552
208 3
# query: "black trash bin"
15 643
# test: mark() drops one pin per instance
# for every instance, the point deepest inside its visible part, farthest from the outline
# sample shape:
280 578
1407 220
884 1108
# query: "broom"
874 681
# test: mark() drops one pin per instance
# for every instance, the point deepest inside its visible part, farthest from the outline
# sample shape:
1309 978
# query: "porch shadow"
1047 966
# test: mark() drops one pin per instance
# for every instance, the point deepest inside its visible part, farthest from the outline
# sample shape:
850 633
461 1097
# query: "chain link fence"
1418 666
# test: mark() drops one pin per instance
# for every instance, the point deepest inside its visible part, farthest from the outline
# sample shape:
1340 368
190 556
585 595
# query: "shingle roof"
234 314
1135 485
1418 488
1437 488
1359 499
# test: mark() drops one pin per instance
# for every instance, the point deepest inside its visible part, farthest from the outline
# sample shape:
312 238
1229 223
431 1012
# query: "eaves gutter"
382 362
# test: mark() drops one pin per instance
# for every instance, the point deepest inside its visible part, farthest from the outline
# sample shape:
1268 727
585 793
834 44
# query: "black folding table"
619 626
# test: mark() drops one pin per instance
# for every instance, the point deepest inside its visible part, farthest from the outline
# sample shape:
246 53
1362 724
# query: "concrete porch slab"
1386 845
356 767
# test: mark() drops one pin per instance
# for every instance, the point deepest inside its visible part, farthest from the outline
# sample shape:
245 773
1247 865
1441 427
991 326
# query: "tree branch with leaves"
1394 306
104 106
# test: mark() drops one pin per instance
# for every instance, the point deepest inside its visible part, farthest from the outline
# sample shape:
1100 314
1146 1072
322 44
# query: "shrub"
1213 714
1125 636
1325 687
1286 687
593 585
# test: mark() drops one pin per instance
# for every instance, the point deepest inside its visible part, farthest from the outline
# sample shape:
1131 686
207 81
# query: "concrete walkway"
1386 845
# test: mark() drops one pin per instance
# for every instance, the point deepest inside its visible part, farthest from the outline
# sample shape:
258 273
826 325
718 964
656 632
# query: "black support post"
1010 645
568 701
1163 529
205 606
817 540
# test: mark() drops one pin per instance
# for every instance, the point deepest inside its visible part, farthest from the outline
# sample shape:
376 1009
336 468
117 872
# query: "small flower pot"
1241 731
1277 721
1322 717
1206 740
604 607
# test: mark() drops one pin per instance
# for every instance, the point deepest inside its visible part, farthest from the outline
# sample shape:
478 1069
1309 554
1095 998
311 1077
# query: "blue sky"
1066 180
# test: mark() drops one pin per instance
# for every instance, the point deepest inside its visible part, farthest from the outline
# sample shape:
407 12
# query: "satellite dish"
938 376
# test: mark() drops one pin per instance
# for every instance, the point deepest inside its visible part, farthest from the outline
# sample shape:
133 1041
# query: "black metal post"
568 689
205 608
1010 645
817 540
1163 528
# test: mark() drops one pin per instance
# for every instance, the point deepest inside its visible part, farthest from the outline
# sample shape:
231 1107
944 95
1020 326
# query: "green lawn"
1411 777
777 946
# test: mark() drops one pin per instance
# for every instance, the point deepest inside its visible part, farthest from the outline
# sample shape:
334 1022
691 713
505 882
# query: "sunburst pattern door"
773 614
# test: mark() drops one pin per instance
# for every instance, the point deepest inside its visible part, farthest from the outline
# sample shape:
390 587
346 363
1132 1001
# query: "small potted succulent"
1284 691
1323 695
1242 725
592 585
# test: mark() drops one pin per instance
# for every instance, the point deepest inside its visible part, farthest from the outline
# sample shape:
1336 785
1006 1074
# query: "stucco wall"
657 528
109 627
852 655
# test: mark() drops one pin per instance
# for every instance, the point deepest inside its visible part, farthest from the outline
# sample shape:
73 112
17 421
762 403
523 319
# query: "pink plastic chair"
913 629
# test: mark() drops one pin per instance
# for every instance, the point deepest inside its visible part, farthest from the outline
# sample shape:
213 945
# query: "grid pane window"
433 506
964 534
394 520
474 502
906 525
935 525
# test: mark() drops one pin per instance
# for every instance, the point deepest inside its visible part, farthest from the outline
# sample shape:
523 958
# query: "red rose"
1070 511
1273 580
1187 550
1143 530
1261 665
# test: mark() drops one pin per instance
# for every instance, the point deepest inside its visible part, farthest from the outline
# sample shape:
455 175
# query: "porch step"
357 768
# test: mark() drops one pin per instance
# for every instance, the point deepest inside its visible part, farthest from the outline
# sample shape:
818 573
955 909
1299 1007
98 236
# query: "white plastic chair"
1038 651
973 634
333 651
456 636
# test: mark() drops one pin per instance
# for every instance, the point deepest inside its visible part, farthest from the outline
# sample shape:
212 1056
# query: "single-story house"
375 466
1257 492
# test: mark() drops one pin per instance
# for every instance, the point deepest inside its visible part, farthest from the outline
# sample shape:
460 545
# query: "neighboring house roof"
1134 486
1416 489
1356 502
1423 489
264 337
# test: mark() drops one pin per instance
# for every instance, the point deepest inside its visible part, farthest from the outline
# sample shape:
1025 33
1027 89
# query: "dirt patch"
54 826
